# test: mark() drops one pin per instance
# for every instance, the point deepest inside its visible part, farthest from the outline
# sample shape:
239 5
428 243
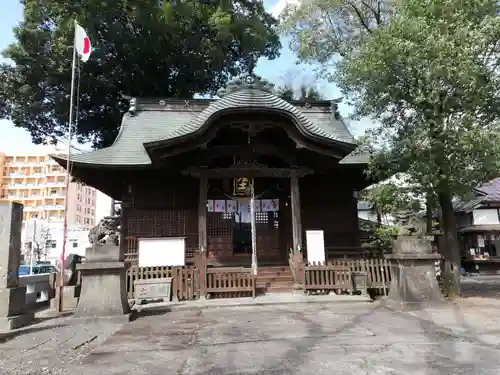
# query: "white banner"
232 206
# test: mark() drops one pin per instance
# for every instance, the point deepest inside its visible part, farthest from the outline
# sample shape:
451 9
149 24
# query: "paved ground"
297 339
323 337
481 286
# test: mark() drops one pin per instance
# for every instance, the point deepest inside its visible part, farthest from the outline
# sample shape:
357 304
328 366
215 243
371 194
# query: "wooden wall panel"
330 205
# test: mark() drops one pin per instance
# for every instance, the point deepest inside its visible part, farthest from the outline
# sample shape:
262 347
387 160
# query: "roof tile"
156 125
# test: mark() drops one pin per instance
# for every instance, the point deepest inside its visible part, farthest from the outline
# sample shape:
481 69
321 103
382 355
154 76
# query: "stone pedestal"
13 309
414 284
103 293
297 289
359 282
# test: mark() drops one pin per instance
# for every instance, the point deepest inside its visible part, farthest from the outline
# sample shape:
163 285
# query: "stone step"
279 289
268 283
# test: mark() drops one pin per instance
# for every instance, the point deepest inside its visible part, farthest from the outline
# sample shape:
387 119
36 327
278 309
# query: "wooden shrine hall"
248 173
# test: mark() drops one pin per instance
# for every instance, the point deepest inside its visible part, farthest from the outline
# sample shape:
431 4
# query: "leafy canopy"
142 49
321 31
431 77
304 92
389 198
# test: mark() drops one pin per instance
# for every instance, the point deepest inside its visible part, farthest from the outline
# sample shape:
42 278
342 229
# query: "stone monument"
414 284
103 293
13 309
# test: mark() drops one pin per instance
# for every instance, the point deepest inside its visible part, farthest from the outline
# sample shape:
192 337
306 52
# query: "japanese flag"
82 43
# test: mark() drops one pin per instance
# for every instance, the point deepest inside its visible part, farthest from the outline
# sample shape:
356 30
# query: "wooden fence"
327 277
336 274
193 282
230 282
378 272
185 280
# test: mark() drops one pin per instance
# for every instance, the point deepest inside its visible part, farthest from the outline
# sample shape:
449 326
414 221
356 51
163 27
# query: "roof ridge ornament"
334 107
245 81
132 106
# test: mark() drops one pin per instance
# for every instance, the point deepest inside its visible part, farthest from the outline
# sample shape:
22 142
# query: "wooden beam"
296 214
202 214
250 151
250 171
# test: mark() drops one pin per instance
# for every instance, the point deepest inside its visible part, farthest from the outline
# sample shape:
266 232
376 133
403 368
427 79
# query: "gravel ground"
51 346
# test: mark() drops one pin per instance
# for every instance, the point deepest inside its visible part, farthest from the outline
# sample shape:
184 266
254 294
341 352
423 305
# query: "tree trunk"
451 272
428 213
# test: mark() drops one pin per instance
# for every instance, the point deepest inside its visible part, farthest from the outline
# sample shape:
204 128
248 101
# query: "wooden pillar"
296 214
254 232
202 214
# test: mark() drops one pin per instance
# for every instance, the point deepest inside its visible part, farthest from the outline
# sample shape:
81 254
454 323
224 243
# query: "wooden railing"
192 282
327 276
230 282
185 280
378 273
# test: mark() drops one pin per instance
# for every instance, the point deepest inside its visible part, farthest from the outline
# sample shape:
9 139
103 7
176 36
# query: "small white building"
49 238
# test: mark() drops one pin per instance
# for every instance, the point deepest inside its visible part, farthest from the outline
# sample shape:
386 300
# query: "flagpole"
68 175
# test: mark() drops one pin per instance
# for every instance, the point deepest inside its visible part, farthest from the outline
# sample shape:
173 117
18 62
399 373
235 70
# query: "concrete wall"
38 288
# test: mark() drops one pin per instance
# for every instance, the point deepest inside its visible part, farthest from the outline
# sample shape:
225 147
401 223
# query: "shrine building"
188 169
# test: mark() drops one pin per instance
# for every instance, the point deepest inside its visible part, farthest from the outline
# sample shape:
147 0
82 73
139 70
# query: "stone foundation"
13 312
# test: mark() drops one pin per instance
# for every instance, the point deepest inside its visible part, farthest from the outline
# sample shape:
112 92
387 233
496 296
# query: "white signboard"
162 251
485 217
480 241
315 243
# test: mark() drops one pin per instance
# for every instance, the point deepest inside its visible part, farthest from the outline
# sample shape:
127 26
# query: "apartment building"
39 183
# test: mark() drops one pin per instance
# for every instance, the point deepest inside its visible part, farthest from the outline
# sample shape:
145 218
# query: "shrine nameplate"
242 186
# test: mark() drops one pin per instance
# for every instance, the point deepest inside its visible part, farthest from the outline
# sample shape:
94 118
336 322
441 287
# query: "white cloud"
280 6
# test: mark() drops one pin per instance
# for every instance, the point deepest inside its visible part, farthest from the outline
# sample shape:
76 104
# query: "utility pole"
32 250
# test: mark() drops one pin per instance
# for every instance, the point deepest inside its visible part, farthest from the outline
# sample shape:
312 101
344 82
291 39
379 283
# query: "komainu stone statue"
106 232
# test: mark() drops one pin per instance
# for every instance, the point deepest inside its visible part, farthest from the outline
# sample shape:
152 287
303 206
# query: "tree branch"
360 17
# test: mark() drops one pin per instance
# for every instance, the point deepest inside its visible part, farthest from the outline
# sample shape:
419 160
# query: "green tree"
391 199
142 49
304 92
431 77
321 31
295 85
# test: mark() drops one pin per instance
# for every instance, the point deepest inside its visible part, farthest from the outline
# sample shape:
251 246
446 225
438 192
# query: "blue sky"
15 140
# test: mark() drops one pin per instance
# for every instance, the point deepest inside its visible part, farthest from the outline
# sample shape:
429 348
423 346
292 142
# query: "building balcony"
23 164
33 208
59 195
54 207
30 197
55 172
55 183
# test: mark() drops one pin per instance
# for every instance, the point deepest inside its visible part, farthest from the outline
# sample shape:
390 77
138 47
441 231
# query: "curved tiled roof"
256 99
160 124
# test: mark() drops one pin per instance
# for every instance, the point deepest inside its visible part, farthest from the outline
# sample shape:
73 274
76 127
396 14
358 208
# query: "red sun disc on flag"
86 45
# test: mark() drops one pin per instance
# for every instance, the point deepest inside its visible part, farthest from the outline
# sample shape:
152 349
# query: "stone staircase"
274 279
